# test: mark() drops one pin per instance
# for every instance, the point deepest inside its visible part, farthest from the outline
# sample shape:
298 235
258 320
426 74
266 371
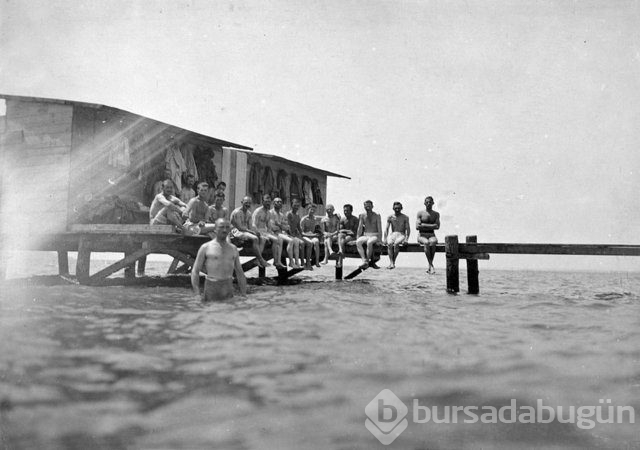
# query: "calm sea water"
294 366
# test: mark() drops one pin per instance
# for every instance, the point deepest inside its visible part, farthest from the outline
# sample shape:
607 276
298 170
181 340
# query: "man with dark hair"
369 233
242 229
427 222
348 230
311 234
166 208
197 212
400 230
261 221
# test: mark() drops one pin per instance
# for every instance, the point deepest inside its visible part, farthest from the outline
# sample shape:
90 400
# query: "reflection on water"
294 366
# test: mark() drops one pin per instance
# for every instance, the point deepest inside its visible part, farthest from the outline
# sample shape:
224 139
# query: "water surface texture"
295 366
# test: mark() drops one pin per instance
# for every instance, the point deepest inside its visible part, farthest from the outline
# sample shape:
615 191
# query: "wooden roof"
175 129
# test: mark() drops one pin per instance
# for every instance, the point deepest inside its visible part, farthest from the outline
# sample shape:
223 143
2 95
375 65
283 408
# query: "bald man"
220 259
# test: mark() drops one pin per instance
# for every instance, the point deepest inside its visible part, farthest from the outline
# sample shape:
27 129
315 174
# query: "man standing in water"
400 230
220 259
369 232
427 223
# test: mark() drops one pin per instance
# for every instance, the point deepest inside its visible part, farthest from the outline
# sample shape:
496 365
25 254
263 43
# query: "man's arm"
420 226
242 280
195 271
379 226
407 229
386 229
360 226
188 209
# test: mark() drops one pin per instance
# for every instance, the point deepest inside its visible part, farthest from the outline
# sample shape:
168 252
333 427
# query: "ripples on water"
294 366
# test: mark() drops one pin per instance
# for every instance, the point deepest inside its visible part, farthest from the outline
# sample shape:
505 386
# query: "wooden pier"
135 242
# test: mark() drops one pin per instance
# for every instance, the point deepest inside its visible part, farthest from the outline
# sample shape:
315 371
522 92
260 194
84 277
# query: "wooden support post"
339 269
262 272
142 265
129 271
63 262
83 264
473 283
451 249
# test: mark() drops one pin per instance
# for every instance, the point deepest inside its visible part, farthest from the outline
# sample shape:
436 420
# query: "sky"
521 118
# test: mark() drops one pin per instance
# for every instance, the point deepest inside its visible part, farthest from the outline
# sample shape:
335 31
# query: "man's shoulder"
236 211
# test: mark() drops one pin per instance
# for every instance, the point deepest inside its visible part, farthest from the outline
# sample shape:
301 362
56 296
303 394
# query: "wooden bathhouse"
65 165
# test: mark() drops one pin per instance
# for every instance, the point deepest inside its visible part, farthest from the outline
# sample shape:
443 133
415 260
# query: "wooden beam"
83 264
173 266
558 249
130 270
453 279
184 257
101 228
473 284
113 268
63 262
248 265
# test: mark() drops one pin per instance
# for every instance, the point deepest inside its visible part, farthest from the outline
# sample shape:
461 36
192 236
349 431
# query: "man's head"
223 227
397 207
167 174
202 188
295 204
190 180
428 201
277 203
348 210
167 187
221 186
266 201
246 203
368 205
219 199
311 208
330 209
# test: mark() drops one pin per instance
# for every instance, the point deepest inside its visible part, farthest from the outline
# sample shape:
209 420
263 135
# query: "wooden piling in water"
473 283
63 262
130 270
83 264
453 261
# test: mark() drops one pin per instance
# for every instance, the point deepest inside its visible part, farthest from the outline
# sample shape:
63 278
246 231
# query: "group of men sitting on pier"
301 236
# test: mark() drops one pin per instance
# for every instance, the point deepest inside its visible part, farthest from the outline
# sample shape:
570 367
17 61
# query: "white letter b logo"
386 416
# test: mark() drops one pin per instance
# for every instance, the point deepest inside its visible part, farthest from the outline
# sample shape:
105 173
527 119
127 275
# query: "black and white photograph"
335 224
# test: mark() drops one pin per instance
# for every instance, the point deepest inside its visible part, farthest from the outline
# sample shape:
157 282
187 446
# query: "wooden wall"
36 147
289 168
